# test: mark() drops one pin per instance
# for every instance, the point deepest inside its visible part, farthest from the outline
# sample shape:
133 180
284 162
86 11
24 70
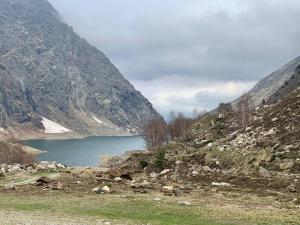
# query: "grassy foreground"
143 210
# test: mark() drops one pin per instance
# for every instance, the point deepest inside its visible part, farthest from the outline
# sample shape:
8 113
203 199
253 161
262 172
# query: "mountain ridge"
63 77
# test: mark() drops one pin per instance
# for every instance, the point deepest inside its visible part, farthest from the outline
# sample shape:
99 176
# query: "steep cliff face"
48 71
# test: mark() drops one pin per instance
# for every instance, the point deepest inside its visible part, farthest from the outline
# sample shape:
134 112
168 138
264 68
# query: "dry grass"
13 153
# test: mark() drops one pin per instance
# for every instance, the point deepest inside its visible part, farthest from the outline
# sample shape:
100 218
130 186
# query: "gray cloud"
151 42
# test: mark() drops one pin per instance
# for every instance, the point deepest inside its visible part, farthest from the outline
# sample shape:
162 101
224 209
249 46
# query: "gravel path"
45 218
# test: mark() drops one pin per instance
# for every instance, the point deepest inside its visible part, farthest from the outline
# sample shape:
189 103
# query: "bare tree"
156 133
179 125
244 112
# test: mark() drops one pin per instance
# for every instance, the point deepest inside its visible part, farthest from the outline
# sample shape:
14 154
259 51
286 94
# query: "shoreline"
71 137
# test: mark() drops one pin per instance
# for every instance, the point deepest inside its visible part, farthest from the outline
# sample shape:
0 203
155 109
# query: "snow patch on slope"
97 120
53 128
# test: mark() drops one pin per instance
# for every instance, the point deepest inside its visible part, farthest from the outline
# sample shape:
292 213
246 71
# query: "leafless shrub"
156 133
13 153
179 125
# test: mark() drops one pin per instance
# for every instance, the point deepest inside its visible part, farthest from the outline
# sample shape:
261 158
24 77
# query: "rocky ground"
31 194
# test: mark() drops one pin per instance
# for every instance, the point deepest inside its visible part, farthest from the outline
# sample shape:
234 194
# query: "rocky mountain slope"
266 87
51 76
242 141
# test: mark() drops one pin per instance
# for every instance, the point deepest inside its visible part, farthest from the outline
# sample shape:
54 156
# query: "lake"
86 151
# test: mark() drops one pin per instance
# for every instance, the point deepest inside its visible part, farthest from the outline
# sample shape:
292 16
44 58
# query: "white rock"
206 169
15 168
168 188
153 175
184 203
105 189
222 184
145 183
157 199
118 179
51 167
10 186
274 119
177 162
248 128
164 172
96 189
271 131
195 173
209 144
61 166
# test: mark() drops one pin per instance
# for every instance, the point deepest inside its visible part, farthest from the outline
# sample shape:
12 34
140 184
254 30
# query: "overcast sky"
186 54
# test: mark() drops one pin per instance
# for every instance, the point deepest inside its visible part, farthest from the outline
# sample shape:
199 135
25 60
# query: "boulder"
105 189
43 180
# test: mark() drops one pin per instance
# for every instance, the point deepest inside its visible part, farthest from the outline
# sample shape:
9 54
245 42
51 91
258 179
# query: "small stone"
177 162
96 190
105 189
145 183
184 203
168 188
153 175
51 167
78 182
264 172
118 179
248 128
157 199
222 184
206 169
271 131
10 186
164 172
107 223
195 173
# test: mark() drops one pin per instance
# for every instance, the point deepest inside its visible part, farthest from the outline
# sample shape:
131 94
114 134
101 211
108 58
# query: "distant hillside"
266 87
238 139
50 75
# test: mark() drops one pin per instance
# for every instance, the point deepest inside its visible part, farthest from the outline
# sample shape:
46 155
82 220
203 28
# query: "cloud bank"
189 54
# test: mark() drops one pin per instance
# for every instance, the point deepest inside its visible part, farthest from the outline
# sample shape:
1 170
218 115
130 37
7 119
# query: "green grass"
141 209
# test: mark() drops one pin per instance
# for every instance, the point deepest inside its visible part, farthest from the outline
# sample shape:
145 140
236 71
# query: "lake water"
87 151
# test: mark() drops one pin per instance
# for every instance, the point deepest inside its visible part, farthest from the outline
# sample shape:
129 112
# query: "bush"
13 153
160 156
144 163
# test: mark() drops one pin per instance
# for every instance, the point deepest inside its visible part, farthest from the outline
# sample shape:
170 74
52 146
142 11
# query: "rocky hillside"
265 88
242 141
52 80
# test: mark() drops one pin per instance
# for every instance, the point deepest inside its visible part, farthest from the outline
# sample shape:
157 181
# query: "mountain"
53 80
266 87
251 140
237 143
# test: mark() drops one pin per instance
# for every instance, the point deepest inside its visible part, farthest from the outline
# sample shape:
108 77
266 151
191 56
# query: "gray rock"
47 70
263 172
184 203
